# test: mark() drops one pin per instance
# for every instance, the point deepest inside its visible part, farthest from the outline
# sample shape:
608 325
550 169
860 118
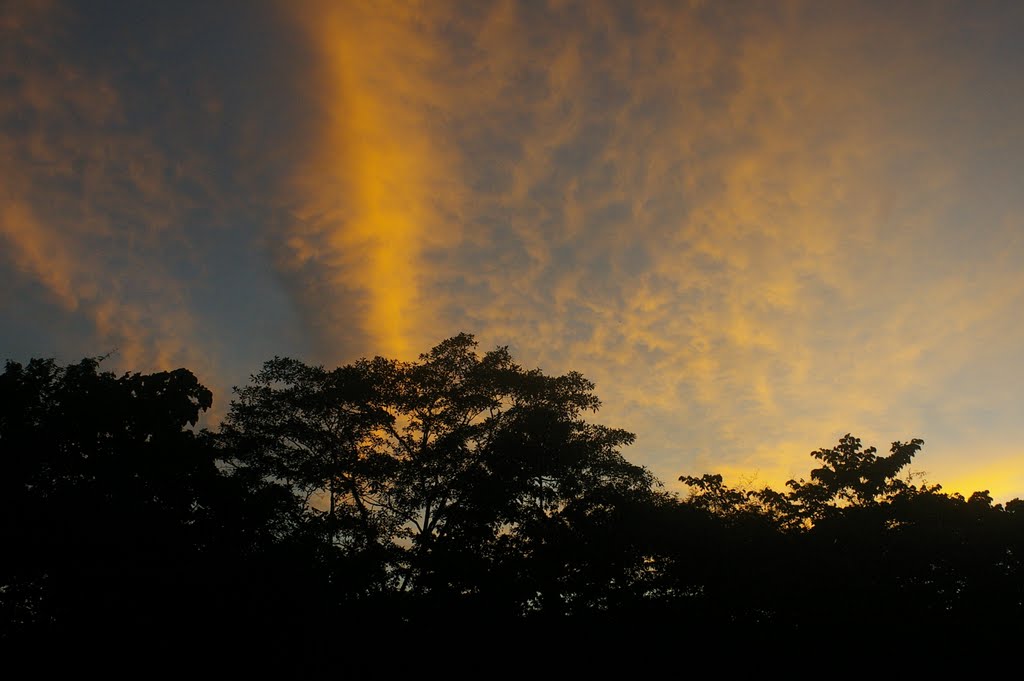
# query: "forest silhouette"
459 497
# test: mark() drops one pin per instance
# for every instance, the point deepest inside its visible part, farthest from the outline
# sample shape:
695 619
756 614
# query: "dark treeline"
447 499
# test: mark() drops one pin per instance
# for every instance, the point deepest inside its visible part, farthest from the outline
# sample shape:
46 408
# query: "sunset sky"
756 226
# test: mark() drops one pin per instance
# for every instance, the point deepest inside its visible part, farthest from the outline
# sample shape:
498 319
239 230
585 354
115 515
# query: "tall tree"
315 433
453 464
107 495
851 476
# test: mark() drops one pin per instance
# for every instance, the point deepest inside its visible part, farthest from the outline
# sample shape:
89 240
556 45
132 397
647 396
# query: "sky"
756 226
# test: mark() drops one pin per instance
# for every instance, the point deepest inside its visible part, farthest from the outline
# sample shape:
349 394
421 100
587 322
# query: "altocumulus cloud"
756 226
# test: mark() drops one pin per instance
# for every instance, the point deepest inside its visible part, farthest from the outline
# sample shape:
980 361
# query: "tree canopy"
455 459
459 493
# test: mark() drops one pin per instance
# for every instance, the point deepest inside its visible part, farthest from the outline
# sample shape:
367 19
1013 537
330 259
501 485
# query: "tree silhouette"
459 495
851 476
106 498
456 466
856 540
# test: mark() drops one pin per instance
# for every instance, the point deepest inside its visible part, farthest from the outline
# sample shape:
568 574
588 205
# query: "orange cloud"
756 229
716 215
367 204
85 210
39 254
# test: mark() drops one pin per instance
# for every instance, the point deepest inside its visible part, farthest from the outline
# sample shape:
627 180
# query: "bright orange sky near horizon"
756 226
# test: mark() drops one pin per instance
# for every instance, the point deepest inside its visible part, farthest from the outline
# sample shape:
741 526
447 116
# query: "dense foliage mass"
459 493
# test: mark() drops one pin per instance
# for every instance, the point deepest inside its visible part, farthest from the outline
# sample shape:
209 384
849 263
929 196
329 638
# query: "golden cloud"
717 215
86 211
756 229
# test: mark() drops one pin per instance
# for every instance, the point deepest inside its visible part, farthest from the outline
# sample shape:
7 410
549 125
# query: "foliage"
116 524
852 476
460 492
444 464
104 489
856 540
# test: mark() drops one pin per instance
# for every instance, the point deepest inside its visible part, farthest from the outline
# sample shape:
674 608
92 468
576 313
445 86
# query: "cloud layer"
756 227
